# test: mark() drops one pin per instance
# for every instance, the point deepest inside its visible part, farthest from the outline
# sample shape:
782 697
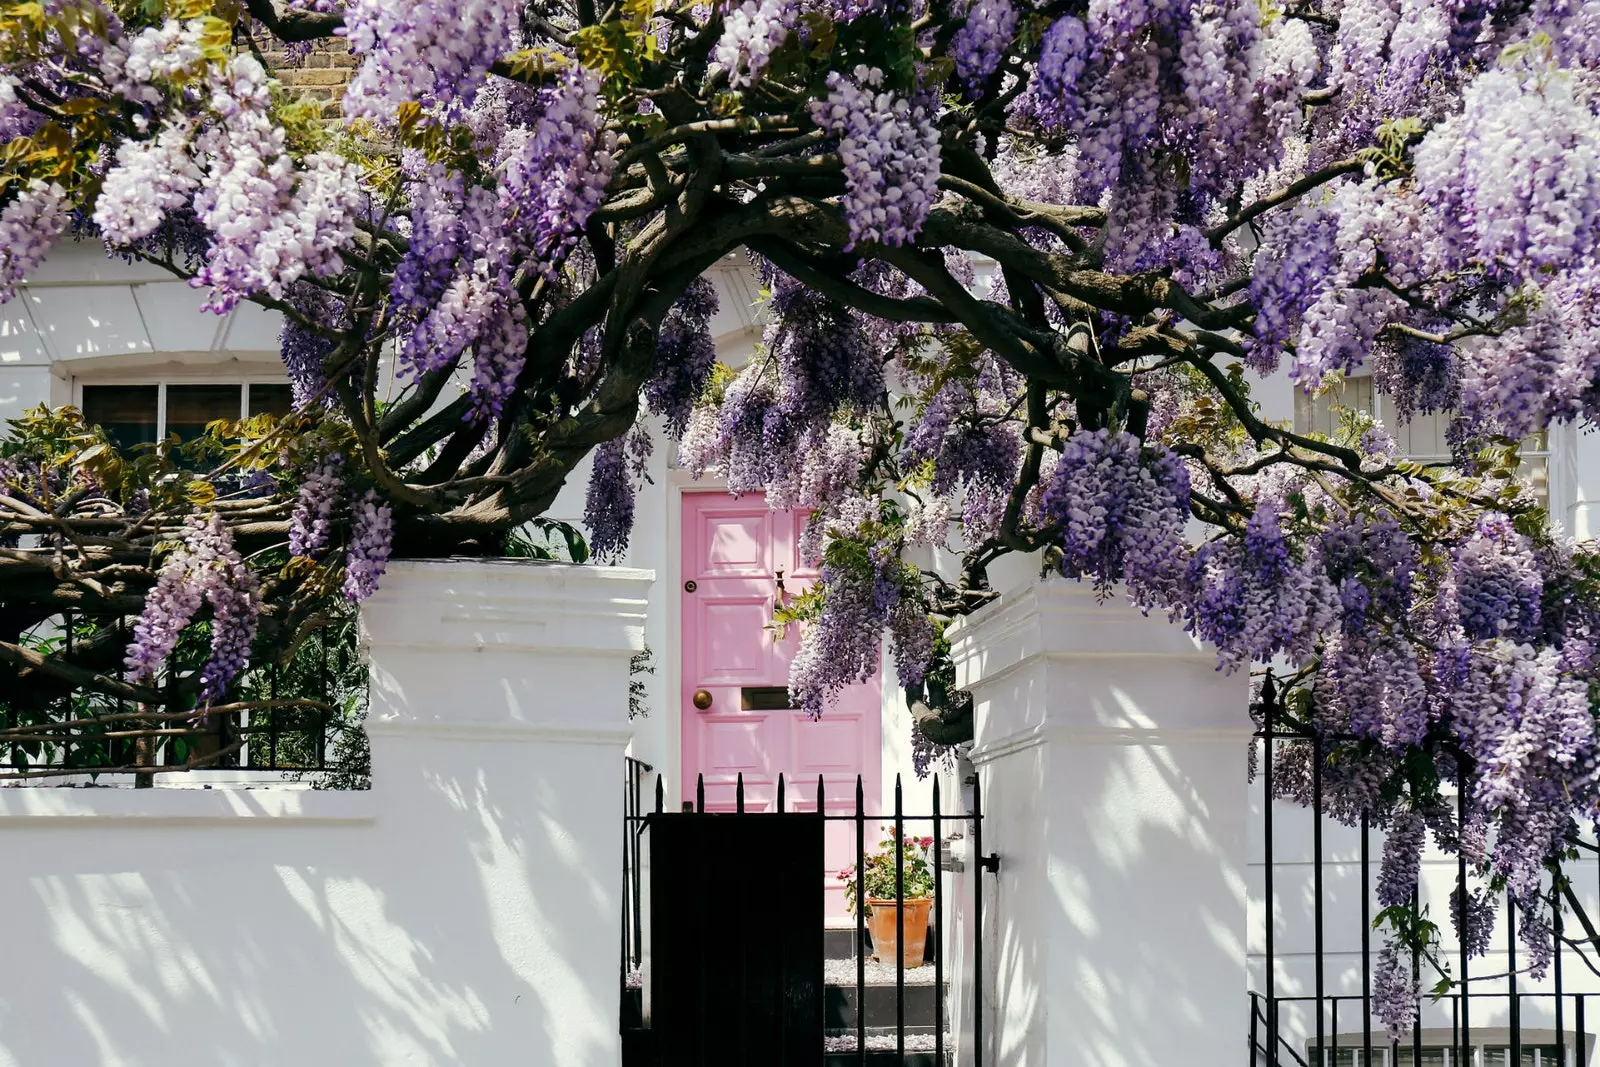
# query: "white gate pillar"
1111 754
498 721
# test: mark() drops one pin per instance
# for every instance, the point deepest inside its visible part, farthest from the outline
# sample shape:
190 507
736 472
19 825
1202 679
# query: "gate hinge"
990 863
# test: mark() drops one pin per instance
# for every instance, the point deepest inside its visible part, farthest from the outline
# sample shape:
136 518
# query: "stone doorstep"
840 1008
890 1058
878 1035
843 973
840 973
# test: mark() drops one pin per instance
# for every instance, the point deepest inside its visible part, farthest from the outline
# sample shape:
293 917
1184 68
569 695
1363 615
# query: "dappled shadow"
451 929
1118 917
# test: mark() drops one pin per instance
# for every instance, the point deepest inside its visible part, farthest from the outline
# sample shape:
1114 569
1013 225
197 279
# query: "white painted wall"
464 911
1110 753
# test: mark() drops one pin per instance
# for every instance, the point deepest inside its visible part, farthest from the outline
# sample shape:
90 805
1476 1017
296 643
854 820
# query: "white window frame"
1385 413
243 380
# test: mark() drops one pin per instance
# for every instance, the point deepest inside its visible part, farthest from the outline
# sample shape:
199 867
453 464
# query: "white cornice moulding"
1061 620
472 731
508 606
1125 736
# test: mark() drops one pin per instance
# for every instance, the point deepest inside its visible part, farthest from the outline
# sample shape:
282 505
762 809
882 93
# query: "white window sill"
273 804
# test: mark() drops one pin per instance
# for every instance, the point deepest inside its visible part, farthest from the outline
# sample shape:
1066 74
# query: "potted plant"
882 910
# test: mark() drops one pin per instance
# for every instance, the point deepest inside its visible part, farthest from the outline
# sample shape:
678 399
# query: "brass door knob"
702 699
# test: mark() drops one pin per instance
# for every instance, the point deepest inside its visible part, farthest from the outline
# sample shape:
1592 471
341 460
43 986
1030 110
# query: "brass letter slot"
765 698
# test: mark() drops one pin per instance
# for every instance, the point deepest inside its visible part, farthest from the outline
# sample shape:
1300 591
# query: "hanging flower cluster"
890 150
205 570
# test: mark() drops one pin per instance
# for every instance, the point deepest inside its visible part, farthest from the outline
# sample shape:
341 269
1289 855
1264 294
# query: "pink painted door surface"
733 550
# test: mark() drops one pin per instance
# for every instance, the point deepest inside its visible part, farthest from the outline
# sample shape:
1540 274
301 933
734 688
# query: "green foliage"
878 873
328 666
1388 157
548 539
638 692
1205 418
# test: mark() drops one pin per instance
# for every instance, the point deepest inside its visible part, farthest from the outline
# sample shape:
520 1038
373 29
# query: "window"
141 414
127 412
1421 439
1315 414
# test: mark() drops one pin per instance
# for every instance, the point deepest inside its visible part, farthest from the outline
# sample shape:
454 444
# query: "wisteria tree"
518 200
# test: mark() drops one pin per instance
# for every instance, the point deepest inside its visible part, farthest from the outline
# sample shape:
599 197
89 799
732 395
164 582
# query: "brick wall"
321 74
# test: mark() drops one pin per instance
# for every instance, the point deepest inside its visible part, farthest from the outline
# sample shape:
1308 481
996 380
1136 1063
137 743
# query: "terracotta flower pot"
881 922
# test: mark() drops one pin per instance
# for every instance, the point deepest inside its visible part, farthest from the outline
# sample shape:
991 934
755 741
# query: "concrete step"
838 943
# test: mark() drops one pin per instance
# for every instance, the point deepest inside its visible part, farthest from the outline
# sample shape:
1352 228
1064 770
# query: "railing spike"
700 793
780 792
738 794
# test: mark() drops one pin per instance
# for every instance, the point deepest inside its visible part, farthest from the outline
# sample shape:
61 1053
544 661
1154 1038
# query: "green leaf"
577 547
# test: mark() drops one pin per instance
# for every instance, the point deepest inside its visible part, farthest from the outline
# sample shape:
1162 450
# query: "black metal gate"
736 939
739 965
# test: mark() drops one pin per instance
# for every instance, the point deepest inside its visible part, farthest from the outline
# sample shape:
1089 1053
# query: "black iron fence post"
1267 697
899 922
977 920
938 929
1511 977
1316 881
1464 901
1366 939
861 923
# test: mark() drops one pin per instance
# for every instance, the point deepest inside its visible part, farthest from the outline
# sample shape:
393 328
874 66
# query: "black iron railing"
298 715
633 786
1444 1042
945 825
1500 1018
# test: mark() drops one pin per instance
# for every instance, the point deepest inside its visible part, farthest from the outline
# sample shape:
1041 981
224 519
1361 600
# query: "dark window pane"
127 412
191 407
270 399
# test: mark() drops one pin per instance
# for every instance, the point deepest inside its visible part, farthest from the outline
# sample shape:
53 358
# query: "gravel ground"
885 1043
843 972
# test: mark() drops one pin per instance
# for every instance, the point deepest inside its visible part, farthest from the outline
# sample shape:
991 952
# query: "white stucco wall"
1110 753
464 911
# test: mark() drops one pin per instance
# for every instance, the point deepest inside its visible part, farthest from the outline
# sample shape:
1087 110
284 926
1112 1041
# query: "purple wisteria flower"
890 149
205 569
371 541
314 511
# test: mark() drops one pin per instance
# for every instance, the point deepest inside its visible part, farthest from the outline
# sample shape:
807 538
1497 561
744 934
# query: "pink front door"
733 552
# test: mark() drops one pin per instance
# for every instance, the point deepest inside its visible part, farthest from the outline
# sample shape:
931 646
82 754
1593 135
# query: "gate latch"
990 863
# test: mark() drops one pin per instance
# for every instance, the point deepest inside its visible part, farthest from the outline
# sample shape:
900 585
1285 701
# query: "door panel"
733 550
